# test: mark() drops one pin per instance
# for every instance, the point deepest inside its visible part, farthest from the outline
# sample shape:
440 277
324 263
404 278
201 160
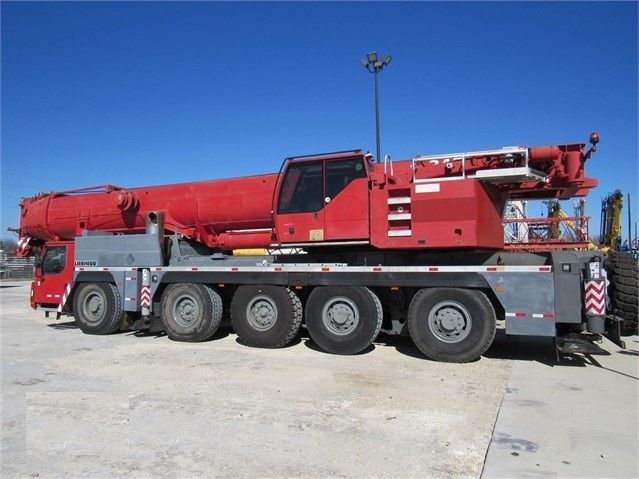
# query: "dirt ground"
136 405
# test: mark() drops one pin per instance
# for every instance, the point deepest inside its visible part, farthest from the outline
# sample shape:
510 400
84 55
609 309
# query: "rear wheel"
266 316
191 312
343 320
453 325
97 308
623 275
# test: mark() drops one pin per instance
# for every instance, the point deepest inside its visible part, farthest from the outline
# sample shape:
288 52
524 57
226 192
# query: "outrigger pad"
571 345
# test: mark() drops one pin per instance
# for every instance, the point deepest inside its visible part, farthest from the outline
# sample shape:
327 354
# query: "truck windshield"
55 258
302 189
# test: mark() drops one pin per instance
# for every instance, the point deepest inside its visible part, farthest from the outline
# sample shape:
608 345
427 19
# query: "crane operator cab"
323 199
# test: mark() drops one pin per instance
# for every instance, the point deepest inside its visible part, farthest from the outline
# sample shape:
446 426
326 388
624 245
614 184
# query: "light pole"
373 65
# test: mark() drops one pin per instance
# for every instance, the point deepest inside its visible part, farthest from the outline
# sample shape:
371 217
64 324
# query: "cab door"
53 274
300 208
323 200
346 200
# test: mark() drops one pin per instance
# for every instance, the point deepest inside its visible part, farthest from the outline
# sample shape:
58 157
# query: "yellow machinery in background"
610 232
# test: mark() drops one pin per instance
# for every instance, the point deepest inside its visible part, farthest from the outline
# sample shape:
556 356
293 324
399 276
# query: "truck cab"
324 199
53 276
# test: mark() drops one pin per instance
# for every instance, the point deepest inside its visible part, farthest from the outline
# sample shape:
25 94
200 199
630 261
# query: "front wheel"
343 320
191 312
450 324
97 308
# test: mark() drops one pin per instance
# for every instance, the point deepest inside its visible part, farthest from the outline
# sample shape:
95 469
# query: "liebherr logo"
86 263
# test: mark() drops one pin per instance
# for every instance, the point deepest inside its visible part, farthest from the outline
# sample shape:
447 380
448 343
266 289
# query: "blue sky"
136 94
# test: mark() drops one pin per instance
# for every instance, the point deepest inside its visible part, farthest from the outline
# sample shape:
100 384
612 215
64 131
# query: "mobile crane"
408 247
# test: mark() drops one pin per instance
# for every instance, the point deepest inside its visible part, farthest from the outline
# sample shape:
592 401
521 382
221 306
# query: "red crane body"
437 202
409 247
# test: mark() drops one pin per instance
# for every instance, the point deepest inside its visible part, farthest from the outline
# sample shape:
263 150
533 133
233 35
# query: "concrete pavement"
572 419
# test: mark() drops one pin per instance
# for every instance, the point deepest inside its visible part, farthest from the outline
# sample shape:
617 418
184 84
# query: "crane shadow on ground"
523 348
544 351
519 348
63 325
402 344
145 333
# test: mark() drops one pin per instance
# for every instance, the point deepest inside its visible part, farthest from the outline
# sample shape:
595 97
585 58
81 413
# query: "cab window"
340 173
55 259
302 189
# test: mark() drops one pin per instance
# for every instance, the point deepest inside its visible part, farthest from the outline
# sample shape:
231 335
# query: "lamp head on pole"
373 64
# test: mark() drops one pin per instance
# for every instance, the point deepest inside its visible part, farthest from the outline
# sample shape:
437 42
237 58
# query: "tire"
266 316
452 325
191 312
97 308
343 320
623 288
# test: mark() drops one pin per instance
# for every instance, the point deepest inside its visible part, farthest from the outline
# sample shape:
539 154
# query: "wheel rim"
261 312
186 310
449 321
340 315
94 307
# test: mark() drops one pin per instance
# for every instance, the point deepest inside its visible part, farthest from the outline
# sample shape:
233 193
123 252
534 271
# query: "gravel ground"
133 405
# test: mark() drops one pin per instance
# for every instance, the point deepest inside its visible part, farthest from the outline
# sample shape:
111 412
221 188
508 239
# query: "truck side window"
55 259
340 173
